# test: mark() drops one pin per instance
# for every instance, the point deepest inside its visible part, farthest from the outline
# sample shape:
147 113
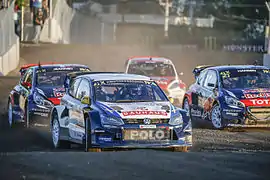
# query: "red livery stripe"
55 101
256 102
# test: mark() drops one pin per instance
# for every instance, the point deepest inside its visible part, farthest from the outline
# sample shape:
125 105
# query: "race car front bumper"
39 114
246 117
122 138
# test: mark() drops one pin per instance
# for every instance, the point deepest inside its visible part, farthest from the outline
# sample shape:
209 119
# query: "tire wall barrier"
9 42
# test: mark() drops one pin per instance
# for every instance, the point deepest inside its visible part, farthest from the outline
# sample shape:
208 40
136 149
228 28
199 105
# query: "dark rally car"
230 96
39 89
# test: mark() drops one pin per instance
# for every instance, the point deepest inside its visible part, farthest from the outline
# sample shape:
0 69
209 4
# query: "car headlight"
176 120
113 121
39 100
233 102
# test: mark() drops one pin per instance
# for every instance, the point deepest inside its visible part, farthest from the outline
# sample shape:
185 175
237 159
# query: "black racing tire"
56 141
26 116
216 118
88 138
87 143
10 121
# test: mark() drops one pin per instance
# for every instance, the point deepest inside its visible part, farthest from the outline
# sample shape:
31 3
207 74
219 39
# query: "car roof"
114 76
232 67
149 58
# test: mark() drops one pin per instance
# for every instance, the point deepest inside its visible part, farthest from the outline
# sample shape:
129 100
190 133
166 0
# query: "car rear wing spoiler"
197 70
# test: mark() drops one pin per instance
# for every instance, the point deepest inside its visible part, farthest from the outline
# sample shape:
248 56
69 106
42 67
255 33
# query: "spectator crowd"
39 13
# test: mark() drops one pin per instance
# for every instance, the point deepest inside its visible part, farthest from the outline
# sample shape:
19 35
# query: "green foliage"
23 3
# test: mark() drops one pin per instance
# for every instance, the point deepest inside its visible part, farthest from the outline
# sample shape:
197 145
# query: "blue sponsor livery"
118 110
230 96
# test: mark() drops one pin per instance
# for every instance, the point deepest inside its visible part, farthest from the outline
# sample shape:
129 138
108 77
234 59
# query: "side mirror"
86 100
171 100
27 85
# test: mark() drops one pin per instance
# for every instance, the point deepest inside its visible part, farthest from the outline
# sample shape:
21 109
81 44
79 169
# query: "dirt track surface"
28 154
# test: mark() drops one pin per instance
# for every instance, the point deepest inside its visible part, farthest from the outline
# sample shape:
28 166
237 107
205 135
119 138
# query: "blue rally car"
39 89
230 96
117 110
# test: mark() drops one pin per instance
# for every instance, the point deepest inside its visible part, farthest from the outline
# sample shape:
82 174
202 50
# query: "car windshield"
53 78
151 69
242 78
128 91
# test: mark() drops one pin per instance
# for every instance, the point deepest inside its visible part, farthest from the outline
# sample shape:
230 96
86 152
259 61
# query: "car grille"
260 113
140 121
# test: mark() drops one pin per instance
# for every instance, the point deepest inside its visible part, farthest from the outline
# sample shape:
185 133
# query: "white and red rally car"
162 71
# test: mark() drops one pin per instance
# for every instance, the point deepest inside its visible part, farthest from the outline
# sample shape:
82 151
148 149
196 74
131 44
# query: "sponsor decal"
196 112
62 68
232 110
256 102
41 71
142 108
162 82
84 69
139 113
106 139
148 126
260 101
147 135
260 95
41 114
246 70
259 90
266 71
58 92
99 131
231 114
225 74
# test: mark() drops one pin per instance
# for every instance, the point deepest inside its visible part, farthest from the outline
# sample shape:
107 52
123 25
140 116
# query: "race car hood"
251 96
163 82
138 110
52 94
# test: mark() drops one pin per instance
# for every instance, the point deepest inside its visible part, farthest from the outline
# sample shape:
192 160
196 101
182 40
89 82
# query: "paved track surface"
28 154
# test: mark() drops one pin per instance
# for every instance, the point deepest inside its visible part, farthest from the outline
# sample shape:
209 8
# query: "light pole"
268 8
167 4
50 19
167 18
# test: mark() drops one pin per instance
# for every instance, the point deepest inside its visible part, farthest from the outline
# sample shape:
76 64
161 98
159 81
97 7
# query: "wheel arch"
59 110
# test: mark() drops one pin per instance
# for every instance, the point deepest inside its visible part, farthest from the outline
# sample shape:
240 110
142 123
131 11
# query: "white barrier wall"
9 42
10 60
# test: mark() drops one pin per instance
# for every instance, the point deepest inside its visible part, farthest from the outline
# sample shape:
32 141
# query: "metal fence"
7 31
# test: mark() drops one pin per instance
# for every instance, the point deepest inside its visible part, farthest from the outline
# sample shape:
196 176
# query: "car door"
196 92
77 109
207 93
25 88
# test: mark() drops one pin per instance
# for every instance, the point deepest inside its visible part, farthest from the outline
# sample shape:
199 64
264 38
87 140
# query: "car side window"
28 77
83 90
74 87
201 78
211 80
